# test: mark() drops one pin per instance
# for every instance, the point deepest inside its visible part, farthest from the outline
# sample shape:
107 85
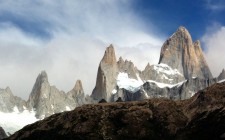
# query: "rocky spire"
76 96
179 52
106 77
78 87
222 75
45 99
109 56
127 67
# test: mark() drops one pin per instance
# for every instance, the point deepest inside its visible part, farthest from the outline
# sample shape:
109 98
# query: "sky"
67 38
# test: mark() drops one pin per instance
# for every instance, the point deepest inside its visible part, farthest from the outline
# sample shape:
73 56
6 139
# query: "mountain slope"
200 117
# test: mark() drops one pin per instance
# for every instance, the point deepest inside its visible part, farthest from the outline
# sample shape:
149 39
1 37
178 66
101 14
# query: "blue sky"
67 38
196 15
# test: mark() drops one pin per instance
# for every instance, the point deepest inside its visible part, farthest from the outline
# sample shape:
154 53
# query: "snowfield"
123 81
14 121
164 68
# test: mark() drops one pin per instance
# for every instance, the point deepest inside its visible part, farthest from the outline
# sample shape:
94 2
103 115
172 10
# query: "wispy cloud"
215 48
67 39
215 5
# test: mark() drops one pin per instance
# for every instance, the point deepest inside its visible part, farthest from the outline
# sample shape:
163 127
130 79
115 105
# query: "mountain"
8 101
200 117
179 52
182 71
44 100
107 71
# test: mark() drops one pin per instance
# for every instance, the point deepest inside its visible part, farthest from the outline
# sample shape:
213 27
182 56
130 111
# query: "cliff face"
200 117
107 71
180 53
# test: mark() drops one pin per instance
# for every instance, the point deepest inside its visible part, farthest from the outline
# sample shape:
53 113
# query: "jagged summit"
109 56
43 76
222 75
78 86
179 52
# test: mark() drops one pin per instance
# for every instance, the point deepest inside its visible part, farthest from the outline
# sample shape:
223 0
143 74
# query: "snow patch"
68 108
114 91
123 81
163 85
164 68
192 93
221 81
14 121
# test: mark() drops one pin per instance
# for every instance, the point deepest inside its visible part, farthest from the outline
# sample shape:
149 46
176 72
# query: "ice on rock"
164 68
123 81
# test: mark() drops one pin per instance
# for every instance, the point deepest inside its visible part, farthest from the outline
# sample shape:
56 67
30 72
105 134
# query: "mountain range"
181 72
200 117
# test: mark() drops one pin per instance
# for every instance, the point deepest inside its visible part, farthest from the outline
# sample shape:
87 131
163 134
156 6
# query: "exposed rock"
9 102
119 100
222 75
2 133
45 99
76 96
161 73
179 52
127 67
107 72
102 101
200 117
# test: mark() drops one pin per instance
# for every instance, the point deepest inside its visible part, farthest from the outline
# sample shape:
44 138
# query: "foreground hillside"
200 117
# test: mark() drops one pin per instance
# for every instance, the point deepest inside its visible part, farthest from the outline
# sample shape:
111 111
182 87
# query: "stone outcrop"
9 102
200 117
179 52
107 72
2 133
222 75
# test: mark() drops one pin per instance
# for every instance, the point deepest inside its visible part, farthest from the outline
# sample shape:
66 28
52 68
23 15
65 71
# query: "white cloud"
215 5
78 34
215 48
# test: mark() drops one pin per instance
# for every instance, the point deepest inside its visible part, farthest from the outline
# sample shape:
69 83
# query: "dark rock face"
2 133
200 117
102 101
182 54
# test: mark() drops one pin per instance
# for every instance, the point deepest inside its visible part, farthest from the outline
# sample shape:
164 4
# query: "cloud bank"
68 39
